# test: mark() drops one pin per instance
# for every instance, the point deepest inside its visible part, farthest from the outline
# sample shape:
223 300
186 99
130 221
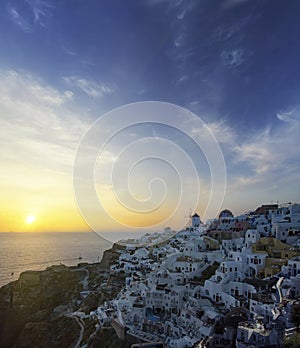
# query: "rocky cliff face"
36 310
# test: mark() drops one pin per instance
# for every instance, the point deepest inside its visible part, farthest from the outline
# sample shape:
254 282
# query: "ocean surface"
21 251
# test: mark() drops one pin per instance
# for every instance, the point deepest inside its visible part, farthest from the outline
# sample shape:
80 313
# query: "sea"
21 251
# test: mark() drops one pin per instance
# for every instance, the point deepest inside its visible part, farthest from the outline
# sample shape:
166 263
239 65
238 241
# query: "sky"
64 64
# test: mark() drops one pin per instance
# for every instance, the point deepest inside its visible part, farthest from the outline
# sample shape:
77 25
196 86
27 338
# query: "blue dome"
225 213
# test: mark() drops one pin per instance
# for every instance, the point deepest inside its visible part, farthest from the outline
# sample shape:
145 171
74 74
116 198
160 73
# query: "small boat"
80 257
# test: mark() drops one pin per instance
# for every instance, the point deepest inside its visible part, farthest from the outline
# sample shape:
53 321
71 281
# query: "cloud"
271 155
41 9
38 127
68 94
182 79
89 87
286 116
233 58
68 51
255 151
220 130
179 40
223 133
28 13
20 84
19 20
181 14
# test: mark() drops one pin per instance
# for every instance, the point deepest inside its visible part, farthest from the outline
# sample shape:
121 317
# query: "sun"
30 219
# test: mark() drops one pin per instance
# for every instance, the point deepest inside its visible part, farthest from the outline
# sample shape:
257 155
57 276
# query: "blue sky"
234 63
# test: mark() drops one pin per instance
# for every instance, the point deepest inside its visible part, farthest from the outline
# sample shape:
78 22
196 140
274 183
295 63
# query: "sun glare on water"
30 219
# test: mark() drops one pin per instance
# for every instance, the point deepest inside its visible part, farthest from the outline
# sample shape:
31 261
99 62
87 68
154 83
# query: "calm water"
36 251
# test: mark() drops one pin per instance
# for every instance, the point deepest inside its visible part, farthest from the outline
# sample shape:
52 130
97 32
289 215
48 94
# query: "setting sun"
30 219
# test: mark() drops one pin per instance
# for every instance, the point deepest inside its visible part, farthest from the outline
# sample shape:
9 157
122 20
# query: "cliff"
37 309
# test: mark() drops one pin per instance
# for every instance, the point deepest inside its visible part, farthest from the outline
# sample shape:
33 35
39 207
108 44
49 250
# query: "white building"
267 311
255 335
293 267
284 229
235 244
251 237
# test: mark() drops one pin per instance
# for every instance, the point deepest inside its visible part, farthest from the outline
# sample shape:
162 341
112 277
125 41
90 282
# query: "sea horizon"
22 251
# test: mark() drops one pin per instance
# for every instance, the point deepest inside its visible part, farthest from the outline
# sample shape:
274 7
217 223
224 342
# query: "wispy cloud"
233 58
182 79
19 20
220 131
41 9
271 155
68 51
89 87
179 14
20 84
179 39
38 127
287 117
30 13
